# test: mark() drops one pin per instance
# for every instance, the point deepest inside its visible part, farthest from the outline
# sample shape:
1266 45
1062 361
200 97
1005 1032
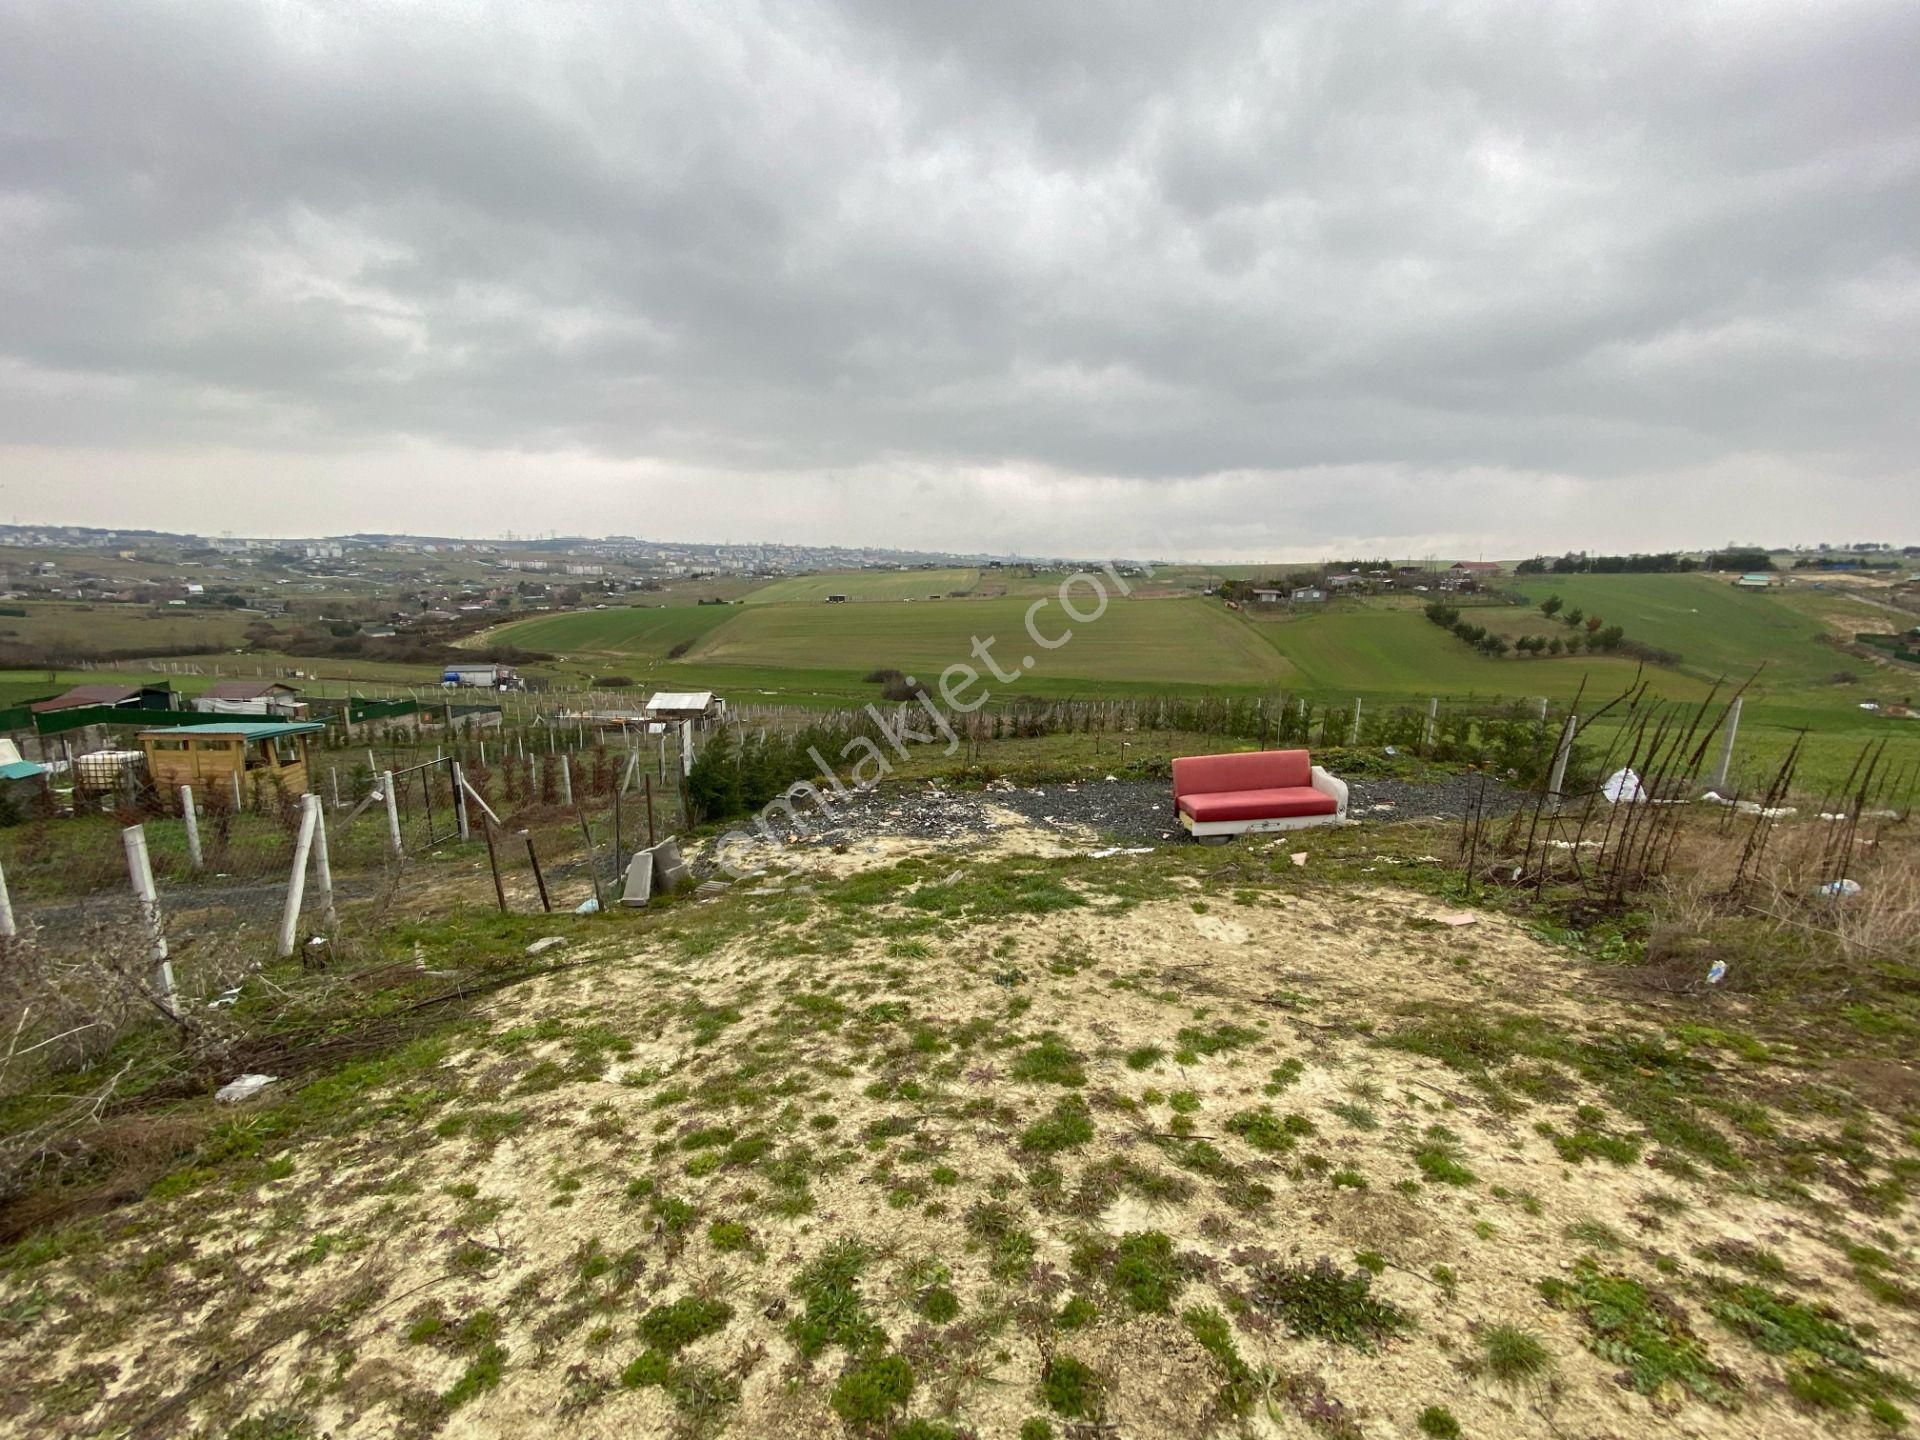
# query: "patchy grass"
925 1152
1643 1331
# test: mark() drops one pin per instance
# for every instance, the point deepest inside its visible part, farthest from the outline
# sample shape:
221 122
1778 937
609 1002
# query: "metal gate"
429 812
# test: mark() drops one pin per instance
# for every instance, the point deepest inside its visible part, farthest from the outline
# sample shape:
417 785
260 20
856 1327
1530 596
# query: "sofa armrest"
1331 785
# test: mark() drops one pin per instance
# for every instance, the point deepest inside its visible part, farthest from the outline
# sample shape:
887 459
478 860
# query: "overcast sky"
1219 280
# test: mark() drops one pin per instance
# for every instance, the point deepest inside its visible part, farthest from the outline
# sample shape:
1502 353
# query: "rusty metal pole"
493 863
538 879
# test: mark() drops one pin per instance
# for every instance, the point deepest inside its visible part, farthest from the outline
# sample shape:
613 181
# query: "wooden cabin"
267 756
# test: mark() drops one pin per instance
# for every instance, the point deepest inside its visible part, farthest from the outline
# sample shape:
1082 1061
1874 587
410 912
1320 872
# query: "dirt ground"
982 1090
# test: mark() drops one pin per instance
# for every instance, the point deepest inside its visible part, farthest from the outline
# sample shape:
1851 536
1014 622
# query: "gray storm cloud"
1138 278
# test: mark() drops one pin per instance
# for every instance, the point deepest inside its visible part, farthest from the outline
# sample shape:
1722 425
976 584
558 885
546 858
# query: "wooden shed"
266 756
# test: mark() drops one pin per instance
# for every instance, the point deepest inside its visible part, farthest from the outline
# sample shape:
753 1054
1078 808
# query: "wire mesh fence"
123 905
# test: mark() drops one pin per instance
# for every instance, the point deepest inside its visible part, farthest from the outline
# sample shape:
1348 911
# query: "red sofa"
1217 796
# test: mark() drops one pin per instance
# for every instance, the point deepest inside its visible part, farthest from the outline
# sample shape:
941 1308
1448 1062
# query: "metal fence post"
393 815
140 871
192 819
297 881
322 864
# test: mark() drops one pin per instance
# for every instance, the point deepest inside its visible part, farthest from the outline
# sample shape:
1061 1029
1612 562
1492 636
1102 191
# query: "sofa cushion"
1251 770
1279 803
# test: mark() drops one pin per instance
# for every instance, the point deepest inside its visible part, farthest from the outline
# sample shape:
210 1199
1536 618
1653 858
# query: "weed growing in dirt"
1644 1332
1597 1233
671 1328
1068 1125
1439 1158
1241 1385
1589 1142
834 1312
1438 1422
1267 1131
1078 1313
871 1390
1512 1354
1283 1075
1071 1388
1145 1271
729 1236
1360 1117
939 1304
1051 1062
1322 1300
1195 1042
1010 1248
1827 1364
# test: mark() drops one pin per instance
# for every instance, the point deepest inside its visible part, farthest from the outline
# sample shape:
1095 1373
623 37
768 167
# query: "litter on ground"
244 1088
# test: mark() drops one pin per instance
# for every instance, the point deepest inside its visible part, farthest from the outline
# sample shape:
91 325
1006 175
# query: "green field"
627 630
1179 642
1715 629
107 627
1384 654
863 585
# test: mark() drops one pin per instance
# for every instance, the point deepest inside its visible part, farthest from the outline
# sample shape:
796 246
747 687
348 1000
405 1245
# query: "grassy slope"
1714 628
818 1109
865 585
1398 654
625 630
116 627
1178 641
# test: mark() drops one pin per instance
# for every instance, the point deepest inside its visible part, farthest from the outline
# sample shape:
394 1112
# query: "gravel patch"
1128 812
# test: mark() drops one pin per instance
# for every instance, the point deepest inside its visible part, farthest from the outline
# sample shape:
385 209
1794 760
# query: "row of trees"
1589 632
1668 562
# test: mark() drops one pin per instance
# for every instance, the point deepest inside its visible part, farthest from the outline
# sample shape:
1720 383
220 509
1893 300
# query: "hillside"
927 1144
1192 642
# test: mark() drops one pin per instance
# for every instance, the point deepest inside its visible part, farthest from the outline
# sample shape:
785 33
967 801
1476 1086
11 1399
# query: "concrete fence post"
566 783
1432 727
239 801
1718 780
1356 721
393 815
192 819
140 871
1560 753
297 881
460 800
7 928
323 865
